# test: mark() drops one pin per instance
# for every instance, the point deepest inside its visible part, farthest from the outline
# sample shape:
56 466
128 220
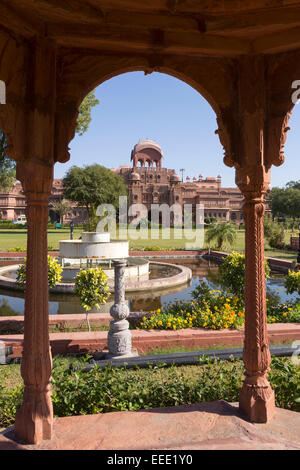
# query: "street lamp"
71 229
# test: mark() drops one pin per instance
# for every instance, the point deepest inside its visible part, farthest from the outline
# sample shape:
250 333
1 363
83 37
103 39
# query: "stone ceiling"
193 27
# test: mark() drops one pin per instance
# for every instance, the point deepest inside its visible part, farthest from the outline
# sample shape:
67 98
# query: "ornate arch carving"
78 75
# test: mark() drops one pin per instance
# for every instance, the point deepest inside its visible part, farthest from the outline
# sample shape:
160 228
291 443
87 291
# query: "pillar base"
257 403
34 420
132 353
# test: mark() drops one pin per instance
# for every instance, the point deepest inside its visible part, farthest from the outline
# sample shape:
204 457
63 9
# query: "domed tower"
175 179
147 153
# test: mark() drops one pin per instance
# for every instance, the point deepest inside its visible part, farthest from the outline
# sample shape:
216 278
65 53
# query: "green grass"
179 349
11 238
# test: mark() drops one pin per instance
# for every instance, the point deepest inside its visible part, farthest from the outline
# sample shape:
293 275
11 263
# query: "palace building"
148 183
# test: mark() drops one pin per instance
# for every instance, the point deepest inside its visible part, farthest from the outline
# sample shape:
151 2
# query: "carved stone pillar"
34 419
119 335
256 396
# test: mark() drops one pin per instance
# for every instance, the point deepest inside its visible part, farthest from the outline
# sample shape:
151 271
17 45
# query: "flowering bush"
17 249
209 309
233 273
292 282
54 272
288 312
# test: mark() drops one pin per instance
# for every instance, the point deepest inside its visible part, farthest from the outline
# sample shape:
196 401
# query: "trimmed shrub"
292 282
91 288
54 272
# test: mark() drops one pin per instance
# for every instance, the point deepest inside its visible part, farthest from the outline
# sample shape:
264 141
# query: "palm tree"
61 207
223 233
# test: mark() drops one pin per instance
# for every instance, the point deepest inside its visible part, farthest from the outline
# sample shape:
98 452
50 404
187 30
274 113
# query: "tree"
285 202
223 233
275 235
7 166
61 207
85 109
91 186
92 289
293 184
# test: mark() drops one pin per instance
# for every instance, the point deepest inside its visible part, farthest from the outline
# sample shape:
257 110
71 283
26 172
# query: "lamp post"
71 229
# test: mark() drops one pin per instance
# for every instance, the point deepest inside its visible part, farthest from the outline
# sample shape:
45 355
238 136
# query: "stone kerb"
146 340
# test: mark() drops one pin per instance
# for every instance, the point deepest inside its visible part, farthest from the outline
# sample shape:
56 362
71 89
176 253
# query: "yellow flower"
284 314
160 322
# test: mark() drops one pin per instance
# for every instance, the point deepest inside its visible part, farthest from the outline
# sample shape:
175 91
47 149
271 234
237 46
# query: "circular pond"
12 302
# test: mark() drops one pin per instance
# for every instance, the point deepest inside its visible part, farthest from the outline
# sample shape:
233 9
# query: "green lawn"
11 238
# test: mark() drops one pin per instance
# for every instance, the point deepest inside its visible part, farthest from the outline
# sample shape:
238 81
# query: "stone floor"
204 426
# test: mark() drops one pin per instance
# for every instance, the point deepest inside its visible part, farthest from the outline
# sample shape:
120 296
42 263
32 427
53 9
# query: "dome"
146 144
175 178
135 176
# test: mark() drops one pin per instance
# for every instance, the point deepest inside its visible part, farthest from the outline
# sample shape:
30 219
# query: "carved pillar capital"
252 180
36 178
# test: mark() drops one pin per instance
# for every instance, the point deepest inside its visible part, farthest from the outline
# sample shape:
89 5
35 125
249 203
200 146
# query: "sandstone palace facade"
148 183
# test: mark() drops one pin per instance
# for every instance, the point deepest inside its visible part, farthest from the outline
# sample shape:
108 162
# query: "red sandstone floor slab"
210 426
146 340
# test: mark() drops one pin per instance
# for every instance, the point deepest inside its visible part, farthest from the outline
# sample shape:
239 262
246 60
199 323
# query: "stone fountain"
96 249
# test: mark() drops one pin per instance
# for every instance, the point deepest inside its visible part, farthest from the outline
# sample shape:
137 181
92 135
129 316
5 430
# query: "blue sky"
162 108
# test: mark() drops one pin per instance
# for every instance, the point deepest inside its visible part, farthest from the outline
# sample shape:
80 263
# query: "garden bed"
121 389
